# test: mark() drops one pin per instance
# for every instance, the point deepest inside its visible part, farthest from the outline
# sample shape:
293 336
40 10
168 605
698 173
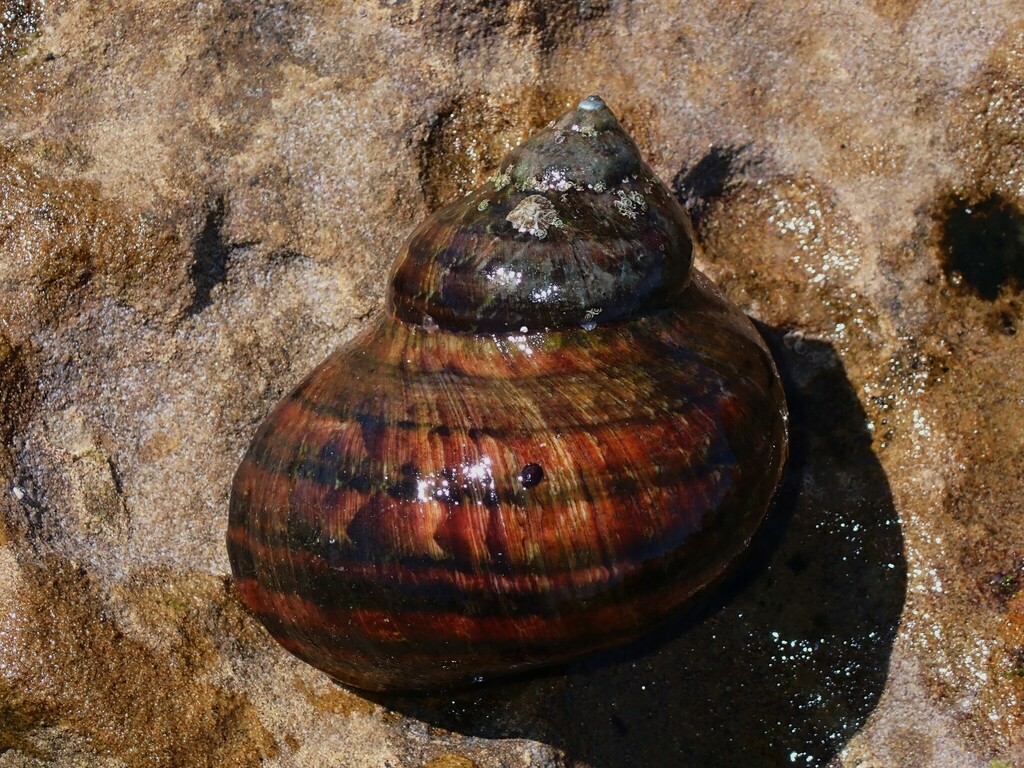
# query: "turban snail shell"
557 433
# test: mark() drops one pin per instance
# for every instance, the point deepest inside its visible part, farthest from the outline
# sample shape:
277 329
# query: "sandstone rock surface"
199 200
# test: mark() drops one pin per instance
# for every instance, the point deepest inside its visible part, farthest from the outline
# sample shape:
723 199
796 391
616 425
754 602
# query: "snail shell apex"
558 434
573 227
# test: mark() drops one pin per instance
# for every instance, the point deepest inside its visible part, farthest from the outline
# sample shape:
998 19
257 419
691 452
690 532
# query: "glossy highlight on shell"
557 433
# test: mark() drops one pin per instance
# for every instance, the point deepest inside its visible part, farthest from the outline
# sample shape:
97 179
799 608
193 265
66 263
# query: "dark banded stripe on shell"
558 432
341 506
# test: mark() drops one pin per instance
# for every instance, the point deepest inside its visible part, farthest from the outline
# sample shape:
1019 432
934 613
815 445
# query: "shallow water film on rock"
199 202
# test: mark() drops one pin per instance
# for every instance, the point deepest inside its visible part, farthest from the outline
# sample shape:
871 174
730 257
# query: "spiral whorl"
572 229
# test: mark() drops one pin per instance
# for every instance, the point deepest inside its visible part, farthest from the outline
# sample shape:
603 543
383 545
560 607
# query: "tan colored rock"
199 200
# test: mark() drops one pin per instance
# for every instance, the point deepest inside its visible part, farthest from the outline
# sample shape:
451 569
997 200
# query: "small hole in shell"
531 475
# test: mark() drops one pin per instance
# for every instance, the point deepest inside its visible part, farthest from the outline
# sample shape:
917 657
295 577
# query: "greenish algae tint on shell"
557 433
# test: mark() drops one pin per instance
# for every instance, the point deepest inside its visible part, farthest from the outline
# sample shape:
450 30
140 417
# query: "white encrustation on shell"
534 215
501 179
630 203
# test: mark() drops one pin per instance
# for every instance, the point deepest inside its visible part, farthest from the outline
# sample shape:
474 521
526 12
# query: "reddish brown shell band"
381 530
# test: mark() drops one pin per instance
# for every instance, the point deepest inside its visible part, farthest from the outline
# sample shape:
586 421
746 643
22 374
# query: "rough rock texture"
198 200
